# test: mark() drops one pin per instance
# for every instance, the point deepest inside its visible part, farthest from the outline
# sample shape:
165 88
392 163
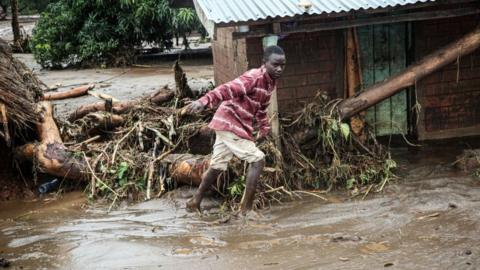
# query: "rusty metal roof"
226 11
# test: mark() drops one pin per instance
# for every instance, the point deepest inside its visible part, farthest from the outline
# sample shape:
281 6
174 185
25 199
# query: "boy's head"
274 60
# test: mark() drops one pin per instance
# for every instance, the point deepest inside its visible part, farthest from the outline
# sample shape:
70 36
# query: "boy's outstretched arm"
230 90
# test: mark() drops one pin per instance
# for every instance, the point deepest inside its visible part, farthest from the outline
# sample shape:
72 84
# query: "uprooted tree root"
151 151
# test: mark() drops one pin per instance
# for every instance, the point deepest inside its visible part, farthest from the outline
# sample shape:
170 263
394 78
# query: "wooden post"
273 108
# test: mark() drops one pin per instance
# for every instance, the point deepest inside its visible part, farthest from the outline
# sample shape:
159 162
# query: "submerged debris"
469 161
4 263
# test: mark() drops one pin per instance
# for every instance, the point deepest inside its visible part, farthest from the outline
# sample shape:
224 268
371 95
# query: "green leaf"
121 170
350 183
345 129
390 164
334 125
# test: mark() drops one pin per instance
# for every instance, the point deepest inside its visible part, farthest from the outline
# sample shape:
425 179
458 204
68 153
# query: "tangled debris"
322 152
142 148
155 147
20 89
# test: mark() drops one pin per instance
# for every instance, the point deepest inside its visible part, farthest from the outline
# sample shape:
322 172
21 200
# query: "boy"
240 101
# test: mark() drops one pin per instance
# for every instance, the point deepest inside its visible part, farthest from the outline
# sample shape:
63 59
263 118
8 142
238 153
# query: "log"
187 169
72 93
161 96
104 122
430 63
51 155
4 121
54 159
117 108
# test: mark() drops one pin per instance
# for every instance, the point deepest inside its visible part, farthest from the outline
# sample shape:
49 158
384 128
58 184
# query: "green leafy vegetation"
185 21
237 187
332 155
106 32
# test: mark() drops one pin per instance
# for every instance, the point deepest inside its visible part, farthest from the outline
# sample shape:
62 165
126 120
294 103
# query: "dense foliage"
185 20
106 32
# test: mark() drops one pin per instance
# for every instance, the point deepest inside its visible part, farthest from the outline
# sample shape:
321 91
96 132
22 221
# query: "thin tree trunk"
15 25
117 108
430 63
3 12
72 93
161 96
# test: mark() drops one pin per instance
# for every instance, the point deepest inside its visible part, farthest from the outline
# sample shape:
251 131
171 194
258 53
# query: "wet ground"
27 23
428 219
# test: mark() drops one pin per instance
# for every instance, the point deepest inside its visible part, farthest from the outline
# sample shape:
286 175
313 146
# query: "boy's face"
275 64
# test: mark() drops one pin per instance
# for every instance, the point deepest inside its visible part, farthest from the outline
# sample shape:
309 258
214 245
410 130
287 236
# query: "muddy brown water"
428 219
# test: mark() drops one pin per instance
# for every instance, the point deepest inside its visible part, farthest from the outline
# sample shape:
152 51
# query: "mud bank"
428 219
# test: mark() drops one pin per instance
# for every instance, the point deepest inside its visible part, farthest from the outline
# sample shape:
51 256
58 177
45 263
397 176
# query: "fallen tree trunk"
50 155
117 108
430 63
163 95
187 169
72 93
104 122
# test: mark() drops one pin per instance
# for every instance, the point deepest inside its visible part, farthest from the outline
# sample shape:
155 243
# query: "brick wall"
450 108
229 56
311 66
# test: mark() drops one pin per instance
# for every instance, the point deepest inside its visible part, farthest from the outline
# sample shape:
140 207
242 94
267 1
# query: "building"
391 35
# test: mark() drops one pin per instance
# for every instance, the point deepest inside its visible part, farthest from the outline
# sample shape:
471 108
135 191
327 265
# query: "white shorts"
228 144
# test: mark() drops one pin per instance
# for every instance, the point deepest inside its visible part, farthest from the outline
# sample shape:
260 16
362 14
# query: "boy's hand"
194 107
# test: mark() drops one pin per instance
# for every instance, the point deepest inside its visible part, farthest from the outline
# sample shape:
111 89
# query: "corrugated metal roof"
225 11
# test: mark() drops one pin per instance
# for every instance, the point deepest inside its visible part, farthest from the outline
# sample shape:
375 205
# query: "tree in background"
107 32
185 21
99 32
3 9
17 38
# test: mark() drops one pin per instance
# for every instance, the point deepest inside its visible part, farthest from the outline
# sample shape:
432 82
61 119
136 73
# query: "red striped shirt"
241 100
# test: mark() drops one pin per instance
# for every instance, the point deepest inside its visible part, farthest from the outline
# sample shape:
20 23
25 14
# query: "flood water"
428 219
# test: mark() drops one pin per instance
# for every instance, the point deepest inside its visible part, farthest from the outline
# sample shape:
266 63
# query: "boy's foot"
193 205
252 216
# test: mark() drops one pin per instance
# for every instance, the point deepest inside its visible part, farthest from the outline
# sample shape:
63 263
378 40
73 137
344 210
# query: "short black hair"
273 49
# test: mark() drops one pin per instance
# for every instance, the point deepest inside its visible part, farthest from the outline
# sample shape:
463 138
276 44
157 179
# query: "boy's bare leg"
254 171
208 179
